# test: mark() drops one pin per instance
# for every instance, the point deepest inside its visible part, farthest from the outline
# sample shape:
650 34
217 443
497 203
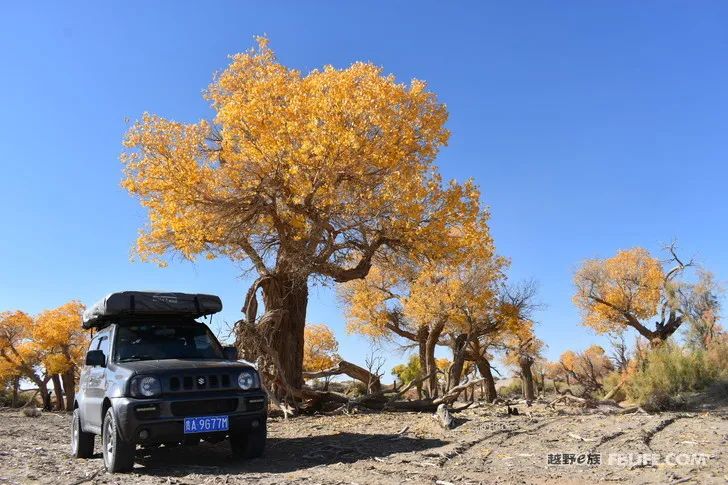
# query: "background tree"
10 380
301 175
64 342
20 354
523 349
632 287
422 300
703 312
409 372
588 368
620 351
320 350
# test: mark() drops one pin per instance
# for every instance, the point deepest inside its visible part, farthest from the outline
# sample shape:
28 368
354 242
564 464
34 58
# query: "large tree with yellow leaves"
302 175
633 287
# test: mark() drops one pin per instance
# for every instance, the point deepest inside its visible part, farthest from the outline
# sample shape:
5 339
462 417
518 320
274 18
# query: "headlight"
247 380
146 386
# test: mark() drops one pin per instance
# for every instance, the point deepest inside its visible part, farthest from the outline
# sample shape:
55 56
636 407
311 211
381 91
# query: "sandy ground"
487 446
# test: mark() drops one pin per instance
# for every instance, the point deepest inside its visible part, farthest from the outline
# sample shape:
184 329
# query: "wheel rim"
108 441
74 435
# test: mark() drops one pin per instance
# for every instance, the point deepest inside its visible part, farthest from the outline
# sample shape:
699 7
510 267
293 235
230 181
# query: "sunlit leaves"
302 173
320 348
630 282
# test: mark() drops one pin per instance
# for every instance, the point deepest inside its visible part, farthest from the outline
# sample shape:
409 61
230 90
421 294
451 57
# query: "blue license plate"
206 424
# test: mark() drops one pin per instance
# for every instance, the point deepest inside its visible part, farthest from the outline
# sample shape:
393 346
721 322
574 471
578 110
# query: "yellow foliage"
319 349
304 172
630 282
59 333
54 339
16 351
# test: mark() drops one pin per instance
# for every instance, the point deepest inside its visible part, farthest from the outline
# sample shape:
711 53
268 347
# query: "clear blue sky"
590 127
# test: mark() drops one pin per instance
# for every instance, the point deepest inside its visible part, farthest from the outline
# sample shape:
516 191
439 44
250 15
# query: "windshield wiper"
135 358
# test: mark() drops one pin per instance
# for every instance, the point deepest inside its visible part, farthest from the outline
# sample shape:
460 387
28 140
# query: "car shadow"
282 455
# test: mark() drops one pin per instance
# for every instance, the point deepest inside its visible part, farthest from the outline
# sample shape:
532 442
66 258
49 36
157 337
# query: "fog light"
143 434
254 423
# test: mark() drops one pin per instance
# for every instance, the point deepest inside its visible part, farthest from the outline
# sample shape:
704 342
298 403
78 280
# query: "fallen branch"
352 370
589 403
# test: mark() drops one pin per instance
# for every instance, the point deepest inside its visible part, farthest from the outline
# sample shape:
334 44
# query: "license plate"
206 424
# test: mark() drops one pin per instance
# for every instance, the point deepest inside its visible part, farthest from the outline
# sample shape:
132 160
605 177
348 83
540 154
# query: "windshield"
156 342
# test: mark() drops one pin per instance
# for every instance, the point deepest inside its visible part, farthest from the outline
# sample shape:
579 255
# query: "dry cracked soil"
486 446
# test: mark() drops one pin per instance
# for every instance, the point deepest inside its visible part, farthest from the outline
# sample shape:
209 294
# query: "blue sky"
589 126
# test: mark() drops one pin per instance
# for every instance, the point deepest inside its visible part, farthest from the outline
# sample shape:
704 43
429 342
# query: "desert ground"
486 446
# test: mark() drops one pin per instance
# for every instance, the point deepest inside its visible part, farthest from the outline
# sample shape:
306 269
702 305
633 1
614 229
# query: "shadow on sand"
282 455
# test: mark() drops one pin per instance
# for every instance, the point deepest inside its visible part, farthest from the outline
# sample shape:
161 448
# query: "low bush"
611 381
661 377
513 389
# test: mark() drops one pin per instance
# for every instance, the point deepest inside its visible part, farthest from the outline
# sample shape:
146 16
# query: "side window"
94 344
104 345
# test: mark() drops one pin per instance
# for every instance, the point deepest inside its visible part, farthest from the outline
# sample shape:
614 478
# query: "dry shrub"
514 389
659 380
611 381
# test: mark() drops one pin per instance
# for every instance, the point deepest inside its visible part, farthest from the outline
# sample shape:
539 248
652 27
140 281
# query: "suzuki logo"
201 381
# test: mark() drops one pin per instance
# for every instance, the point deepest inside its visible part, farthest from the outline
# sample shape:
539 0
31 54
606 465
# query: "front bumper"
153 421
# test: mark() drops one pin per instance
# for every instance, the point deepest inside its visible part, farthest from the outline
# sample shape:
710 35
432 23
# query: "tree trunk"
58 391
44 395
352 370
525 363
69 387
290 297
458 360
432 339
16 386
490 392
422 333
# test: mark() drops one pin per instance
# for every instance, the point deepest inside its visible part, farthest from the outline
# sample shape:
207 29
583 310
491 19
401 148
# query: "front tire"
118 454
249 445
82 443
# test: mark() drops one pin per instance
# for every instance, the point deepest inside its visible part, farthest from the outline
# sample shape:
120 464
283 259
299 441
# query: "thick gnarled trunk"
58 392
458 360
290 298
69 387
431 363
525 363
490 391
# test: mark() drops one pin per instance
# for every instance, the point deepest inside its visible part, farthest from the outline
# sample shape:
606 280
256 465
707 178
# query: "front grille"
199 382
203 407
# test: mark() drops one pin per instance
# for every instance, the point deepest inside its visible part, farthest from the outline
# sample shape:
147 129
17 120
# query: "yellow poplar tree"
633 287
320 349
302 175
60 334
423 300
20 354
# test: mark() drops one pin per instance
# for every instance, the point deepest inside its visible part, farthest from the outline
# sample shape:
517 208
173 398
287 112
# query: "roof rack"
149 303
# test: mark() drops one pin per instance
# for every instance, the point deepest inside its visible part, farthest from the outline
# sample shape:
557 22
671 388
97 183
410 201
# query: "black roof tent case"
149 303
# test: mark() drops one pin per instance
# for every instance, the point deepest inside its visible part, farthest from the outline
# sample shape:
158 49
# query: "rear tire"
118 454
82 443
249 445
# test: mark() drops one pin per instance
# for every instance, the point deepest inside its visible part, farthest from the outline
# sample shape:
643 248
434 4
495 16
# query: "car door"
95 390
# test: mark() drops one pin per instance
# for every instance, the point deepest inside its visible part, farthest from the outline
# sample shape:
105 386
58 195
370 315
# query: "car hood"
176 365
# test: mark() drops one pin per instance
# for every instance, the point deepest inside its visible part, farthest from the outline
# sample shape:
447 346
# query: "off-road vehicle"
154 376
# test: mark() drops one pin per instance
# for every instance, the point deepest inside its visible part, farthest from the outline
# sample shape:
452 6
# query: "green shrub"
668 371
514 389
611 381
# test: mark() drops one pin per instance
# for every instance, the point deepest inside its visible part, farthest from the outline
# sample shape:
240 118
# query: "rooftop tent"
149 303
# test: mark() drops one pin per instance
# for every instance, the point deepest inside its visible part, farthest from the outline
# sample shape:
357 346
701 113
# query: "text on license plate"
206 424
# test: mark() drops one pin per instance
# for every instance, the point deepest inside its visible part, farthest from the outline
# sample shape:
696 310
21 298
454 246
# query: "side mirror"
96 358
231 352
